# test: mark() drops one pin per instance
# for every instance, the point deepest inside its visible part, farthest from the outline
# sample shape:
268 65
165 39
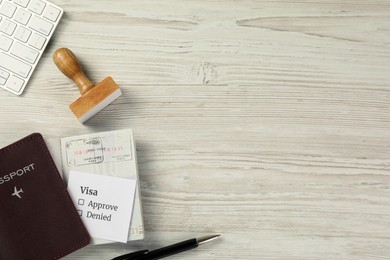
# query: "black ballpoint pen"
168 250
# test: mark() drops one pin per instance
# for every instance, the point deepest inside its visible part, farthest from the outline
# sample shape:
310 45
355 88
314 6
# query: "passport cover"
37 217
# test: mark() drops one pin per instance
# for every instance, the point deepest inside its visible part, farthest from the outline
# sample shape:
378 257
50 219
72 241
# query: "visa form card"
104 203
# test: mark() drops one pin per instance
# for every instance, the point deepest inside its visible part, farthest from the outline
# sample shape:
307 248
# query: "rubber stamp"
93 98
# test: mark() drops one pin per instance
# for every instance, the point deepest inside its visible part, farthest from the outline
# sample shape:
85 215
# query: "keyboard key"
7 9
3 81
14 65
22 34
5 42
22 3
22 16
7 27
36 6
15 83
25 53
4 74
40 25
37 41
51 13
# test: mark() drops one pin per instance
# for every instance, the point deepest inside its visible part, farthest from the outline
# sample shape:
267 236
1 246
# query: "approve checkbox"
81 202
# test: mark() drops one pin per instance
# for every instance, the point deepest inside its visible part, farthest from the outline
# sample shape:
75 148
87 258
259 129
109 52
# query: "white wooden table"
265 121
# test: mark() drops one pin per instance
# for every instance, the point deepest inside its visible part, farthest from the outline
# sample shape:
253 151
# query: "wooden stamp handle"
68 64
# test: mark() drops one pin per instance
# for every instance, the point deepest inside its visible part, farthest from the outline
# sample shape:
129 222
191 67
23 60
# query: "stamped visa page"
107 153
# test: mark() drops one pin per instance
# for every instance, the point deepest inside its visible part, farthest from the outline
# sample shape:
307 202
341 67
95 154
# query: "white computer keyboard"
26 27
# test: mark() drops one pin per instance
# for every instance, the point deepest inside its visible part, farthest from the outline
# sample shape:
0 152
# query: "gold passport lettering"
18 173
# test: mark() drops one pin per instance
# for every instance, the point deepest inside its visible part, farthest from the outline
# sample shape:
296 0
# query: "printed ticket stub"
104 203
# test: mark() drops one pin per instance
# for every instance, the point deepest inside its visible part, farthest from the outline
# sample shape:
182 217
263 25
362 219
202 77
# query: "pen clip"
132 256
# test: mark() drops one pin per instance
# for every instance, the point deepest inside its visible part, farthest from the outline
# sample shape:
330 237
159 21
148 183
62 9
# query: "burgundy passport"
37 217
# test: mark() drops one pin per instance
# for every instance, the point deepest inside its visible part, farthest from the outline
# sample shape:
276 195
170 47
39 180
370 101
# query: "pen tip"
205 239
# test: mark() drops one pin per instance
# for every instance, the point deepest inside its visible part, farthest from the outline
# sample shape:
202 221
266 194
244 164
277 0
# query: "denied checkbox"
80 212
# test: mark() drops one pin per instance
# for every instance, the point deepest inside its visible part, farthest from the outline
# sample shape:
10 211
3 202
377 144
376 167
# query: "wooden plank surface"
265 121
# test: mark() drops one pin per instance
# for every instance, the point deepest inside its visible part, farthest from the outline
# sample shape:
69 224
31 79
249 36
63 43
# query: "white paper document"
106 154
104 203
